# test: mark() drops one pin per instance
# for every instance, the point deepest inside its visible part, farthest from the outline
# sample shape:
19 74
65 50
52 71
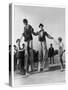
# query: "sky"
52 18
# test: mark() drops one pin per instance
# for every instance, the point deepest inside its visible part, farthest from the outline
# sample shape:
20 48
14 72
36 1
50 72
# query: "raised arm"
21 37
35 33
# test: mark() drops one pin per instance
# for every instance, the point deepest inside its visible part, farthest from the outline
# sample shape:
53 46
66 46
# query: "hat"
41 25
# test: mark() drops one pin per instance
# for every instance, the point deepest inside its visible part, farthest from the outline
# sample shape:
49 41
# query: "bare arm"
21 37
49 36
34 33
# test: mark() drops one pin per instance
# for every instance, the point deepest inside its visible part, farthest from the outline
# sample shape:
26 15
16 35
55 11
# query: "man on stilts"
28 31
43 46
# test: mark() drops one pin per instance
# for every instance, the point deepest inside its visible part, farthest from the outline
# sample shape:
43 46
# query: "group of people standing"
43 53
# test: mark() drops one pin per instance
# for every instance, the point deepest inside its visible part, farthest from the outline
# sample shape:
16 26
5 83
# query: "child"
61 51
17 54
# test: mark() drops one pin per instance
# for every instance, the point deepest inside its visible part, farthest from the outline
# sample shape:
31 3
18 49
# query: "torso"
42 36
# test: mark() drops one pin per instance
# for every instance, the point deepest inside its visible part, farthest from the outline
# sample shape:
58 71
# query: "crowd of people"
25 57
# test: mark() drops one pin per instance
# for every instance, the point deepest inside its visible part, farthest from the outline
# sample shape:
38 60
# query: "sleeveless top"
28 33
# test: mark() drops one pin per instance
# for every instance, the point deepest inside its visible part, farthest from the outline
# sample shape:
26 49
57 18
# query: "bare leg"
39 57
31 55
61 62
45 56
26 56
43 49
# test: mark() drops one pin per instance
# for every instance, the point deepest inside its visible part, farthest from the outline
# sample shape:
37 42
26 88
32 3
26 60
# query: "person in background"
27 34
18 55
42 34
61 51
15 59
51 53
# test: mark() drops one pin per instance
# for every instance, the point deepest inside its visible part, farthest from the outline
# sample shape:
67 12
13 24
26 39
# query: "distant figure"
51 54
18 55
61 51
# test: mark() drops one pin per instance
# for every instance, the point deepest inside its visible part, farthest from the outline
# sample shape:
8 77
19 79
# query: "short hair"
18 40
41 25
60 39
25 21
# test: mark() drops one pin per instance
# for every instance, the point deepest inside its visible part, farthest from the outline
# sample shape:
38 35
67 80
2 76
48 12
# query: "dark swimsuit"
28 33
